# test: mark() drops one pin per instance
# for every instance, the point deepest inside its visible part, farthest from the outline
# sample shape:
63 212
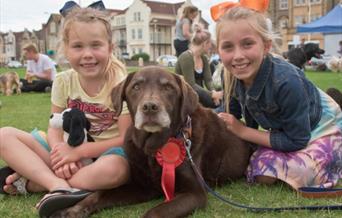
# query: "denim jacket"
282 101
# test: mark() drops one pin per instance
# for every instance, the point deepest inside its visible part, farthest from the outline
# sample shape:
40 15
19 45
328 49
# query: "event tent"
330 23
330 26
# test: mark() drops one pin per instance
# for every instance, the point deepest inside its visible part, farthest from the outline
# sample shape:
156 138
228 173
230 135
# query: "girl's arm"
55 135
237 127
208 79
186 27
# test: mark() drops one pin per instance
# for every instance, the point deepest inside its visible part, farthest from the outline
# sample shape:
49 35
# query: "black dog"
299 56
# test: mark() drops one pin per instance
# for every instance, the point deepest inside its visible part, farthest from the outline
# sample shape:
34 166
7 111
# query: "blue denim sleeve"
294 116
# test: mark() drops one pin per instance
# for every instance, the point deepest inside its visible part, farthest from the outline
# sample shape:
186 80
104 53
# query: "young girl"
300 141
55 167
183 29
194 66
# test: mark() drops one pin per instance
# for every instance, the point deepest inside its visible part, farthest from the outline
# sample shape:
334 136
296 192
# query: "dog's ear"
189 100
77 126
118 94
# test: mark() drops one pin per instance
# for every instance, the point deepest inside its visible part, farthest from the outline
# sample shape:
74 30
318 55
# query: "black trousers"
180 46
35 86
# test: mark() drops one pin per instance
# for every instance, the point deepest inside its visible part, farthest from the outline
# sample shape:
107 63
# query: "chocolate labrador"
165 110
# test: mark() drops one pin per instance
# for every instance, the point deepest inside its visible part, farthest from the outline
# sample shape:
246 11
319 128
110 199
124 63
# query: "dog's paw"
76 211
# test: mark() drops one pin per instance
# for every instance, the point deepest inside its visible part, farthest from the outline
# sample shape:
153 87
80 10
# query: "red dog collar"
170 156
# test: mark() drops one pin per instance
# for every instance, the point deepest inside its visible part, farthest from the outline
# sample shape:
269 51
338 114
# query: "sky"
16 15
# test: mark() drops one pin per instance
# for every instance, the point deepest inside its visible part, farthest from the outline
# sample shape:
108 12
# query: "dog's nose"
150 107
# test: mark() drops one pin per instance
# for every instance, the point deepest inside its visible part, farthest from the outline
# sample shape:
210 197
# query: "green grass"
31 110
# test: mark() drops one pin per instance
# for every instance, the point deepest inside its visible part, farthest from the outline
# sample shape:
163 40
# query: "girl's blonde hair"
200 36
259 23
115 70
188 10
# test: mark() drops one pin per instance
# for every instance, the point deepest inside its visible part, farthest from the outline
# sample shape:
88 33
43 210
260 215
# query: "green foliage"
31 110
143 55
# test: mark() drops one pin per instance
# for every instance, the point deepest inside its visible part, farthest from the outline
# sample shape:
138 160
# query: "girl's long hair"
259 23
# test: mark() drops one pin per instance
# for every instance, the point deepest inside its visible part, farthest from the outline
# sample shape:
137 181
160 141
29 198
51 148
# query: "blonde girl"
295 127
194 66
53 165
183 29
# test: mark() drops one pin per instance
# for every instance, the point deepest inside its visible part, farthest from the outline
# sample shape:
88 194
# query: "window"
283 4
314 17
315 1
53 27
299 2
283 23
140 34
140 50
137 16
299 20
133 33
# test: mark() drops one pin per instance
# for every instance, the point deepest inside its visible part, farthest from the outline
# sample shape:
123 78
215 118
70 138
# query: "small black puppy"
299 56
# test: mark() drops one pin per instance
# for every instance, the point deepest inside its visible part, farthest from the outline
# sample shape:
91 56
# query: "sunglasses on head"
69 5
218 10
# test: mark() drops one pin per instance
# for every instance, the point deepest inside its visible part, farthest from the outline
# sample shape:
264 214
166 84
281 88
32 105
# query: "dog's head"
335 64
312 50
74 122
156 99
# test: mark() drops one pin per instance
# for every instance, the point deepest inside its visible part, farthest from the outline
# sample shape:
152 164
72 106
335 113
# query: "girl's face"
207 46
241 50
193 15
88 49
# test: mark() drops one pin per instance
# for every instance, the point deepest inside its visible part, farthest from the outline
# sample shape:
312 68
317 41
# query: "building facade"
286 15
145 26
149 27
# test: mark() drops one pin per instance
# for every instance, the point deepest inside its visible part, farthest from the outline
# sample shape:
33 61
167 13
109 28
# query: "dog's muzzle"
151 116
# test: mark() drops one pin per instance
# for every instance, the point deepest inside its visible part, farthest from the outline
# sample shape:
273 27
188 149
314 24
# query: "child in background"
193 64
55 166
183 29
300 142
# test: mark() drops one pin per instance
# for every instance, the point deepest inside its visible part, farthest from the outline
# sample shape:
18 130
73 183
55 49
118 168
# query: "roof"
163 22
163 7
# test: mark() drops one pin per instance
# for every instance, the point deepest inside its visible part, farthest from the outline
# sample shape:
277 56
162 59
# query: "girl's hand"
217 96
68 170
63 154
232 124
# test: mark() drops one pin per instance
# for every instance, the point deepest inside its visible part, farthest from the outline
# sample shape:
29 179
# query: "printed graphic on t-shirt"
100 117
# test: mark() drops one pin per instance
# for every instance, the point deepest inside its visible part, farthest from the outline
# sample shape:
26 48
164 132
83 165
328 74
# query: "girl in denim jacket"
297 127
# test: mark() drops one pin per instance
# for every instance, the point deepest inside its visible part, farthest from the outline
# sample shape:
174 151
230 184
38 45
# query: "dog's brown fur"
153 95
8 81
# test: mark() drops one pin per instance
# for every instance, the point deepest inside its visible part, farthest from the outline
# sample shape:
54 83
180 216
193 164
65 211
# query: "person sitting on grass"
300 139
54 166
40 72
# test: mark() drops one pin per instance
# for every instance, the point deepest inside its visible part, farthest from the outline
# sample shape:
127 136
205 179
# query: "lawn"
31 110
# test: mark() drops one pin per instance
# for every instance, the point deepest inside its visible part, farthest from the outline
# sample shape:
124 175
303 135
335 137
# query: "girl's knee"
118 167
8 131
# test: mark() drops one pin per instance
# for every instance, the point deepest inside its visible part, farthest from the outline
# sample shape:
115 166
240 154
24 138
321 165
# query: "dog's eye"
136 87
167 87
